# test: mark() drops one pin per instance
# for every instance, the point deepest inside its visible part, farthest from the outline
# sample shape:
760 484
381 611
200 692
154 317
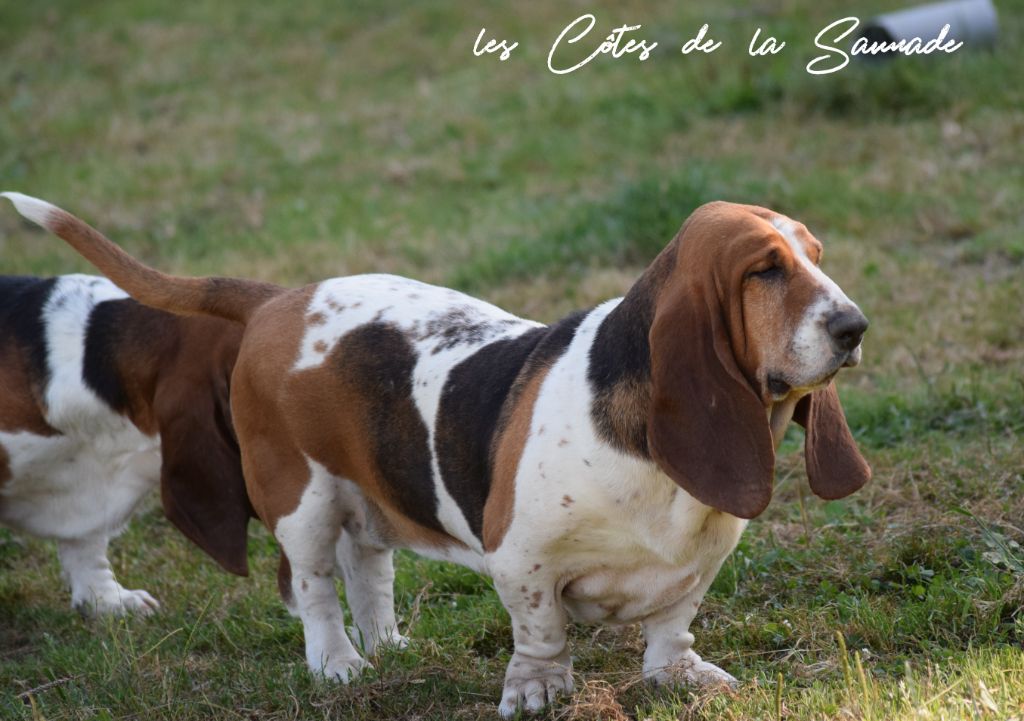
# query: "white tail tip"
36 210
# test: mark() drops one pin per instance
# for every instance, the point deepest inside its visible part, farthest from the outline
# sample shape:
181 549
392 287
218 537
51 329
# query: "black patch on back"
106 328
467 415
22 300
471 409
379 361
119 327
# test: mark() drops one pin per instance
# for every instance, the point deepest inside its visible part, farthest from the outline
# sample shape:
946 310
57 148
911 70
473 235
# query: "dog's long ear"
707 429
201 482
835 466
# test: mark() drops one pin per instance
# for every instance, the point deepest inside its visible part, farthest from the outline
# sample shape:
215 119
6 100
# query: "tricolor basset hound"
601 468
101 398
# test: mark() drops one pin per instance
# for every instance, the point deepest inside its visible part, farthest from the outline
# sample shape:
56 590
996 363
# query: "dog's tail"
230 298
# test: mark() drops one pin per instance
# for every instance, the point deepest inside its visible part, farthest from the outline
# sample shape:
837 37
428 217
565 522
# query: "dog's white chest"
637 578
621 538
623 595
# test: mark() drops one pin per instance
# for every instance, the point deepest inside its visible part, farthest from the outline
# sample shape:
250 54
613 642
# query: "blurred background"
295 141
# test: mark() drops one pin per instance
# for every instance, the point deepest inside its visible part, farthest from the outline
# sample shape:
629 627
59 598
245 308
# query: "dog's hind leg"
308 536
369 574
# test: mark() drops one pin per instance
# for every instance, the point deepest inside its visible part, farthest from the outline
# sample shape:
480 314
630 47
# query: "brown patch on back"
509 447
327 413
276 473
355 414
21 402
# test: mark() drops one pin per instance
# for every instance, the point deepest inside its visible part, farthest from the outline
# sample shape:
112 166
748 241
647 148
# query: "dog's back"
92 384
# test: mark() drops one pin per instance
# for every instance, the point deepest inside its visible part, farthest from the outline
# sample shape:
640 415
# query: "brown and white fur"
601 468
101 399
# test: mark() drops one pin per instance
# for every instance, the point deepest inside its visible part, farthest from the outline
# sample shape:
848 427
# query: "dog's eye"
772 272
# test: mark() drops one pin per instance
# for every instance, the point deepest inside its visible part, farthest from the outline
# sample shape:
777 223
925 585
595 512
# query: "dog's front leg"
540 668
670 658
93 586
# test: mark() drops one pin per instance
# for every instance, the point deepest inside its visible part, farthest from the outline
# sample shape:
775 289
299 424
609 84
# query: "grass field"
293 142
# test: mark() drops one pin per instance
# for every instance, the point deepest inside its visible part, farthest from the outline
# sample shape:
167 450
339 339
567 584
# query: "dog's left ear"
707 429
835 466
201 482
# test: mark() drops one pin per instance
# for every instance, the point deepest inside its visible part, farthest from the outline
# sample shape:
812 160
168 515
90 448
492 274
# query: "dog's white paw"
385 639
114 601
394 640
531 684
689 670
344 670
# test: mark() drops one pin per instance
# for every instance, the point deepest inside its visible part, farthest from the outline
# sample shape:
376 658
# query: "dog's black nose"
847 328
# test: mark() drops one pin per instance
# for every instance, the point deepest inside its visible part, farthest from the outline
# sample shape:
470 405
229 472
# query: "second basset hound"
601 468
101 400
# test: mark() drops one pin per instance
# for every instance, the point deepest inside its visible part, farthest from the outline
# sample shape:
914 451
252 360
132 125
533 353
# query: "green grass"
291 142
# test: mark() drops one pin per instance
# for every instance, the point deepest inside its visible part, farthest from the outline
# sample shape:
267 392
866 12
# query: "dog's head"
747 326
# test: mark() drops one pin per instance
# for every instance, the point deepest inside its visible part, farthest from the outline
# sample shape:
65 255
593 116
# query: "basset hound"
101 398
600 468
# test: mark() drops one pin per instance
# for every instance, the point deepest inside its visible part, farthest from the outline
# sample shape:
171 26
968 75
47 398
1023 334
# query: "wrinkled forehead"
807 250
798 239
